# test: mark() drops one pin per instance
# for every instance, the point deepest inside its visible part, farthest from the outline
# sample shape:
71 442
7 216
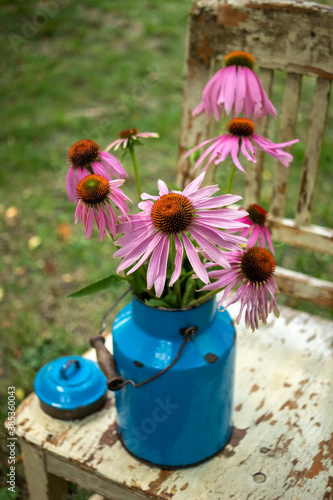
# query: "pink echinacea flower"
235 88
95 193
86 158
127 138
178 216
241 137
256 219
252 269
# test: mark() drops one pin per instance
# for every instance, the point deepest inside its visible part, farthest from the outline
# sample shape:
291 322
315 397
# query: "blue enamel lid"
70 382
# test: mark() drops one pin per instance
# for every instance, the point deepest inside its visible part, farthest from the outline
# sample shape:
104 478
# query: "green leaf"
157 303
5 494
171 300
190 288
105 284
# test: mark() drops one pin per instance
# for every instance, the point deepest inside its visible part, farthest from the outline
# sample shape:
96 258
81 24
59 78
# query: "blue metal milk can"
178 415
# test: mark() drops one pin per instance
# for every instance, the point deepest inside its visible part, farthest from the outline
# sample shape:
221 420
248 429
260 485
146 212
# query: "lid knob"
66 366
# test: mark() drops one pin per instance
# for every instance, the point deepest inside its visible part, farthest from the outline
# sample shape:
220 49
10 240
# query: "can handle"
108 366
106 363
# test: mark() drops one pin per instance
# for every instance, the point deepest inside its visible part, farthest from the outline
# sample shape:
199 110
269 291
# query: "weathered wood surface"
41 483
264 29
304 286
315 238
280 448
288 122
313 150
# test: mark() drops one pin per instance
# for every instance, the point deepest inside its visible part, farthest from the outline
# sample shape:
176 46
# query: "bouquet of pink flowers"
183 247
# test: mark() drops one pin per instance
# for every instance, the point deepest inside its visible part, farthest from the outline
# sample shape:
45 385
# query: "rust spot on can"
138 364
210 358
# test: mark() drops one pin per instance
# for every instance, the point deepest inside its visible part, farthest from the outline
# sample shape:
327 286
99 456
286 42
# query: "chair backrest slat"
192 130
254 171
313 150
290 104
304 287
316 238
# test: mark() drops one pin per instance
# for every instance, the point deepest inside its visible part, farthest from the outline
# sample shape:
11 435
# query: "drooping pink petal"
135 250
240 91
248 150
275 150
147 253
210 249
267 106
71 184
102 223
112 164
194 260
78 212
234 156
230 88
115 144
178 261
229 143
154 263
89 224
81 173
269 239
111 221
161 277
100 170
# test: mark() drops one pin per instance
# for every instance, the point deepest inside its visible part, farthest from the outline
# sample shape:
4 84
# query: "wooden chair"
282 441
290 36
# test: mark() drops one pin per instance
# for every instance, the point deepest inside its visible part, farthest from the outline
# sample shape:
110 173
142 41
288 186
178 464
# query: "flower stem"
176 285
204 298
231 178
136 171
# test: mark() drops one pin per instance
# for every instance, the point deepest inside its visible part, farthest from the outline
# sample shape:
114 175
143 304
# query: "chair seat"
282 440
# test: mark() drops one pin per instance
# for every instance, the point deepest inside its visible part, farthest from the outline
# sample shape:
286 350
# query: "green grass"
90 71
